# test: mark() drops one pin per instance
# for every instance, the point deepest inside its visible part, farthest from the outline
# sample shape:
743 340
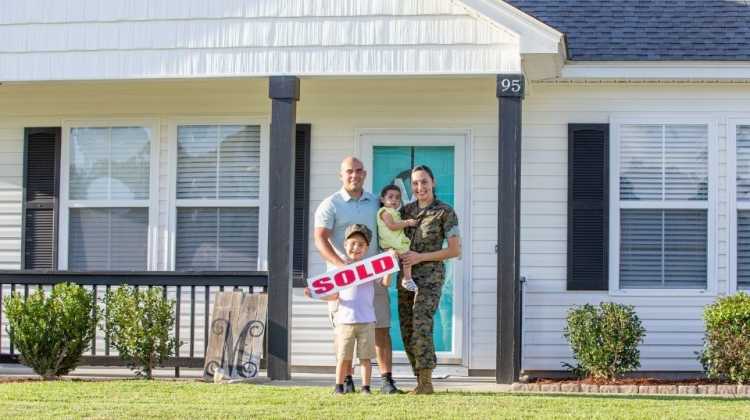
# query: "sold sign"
354 274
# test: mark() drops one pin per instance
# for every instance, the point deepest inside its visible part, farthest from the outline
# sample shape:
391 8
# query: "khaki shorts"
349 334
382 304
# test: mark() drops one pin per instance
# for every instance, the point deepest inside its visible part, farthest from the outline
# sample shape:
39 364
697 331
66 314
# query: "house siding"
337 109
79 40
673 323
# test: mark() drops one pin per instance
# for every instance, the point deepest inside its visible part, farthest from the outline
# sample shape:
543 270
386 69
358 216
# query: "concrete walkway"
442 381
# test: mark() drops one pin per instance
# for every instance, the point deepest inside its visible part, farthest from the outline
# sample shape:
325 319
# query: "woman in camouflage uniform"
437 221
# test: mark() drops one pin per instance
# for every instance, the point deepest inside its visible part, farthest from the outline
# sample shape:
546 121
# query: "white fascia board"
661 70
536 36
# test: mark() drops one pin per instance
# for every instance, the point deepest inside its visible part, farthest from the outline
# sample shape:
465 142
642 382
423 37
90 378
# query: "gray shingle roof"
653 30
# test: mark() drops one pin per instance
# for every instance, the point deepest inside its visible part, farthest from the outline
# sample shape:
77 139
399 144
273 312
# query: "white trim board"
658 70
536 36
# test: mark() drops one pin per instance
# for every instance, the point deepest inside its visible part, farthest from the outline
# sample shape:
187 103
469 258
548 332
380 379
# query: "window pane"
743 249
196 161
664 162
217 239
743 162
239 164
686 162
89 163
218 162
663 249
641 162
108 239
131 155
109 163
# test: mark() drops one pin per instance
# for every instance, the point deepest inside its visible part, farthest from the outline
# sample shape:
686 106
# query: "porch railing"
193 293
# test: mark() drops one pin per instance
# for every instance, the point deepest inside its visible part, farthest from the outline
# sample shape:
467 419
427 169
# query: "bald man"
352 205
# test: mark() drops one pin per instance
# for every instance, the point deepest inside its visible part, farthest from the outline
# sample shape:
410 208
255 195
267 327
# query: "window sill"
663 292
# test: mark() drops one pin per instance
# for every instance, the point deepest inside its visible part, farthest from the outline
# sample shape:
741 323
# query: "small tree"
604 339
51 333
139 325
726 348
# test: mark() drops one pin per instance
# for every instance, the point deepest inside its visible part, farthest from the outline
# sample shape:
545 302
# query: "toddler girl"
391 229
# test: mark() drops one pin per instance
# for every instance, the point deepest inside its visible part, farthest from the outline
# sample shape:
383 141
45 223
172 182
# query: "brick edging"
742 391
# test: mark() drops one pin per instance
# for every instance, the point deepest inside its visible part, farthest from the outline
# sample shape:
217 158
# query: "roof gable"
93 40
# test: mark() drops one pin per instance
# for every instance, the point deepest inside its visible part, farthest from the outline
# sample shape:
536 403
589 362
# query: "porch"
341 113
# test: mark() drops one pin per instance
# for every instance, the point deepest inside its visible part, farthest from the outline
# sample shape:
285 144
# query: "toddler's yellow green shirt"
392 239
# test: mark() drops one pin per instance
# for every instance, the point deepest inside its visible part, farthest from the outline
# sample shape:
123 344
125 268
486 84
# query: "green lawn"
182 399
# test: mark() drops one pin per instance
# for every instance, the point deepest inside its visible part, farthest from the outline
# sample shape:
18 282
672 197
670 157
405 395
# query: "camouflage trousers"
416 314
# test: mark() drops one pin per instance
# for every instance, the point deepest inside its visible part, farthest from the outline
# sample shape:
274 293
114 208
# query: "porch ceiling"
43 40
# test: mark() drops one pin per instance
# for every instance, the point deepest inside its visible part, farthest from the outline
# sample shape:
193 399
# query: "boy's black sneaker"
365 390
349 385
388 387
338 390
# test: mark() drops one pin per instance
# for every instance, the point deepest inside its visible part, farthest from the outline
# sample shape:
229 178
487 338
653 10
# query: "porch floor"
442 381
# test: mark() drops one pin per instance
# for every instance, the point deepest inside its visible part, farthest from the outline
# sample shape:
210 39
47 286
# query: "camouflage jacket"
437 222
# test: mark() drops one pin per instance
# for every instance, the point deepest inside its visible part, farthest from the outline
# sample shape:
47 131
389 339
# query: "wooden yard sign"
236 335
353 274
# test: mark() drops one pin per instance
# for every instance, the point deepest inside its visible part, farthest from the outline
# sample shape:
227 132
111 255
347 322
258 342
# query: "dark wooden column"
510 91
284 94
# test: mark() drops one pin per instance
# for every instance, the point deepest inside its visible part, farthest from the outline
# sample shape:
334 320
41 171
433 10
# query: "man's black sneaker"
389 387
338 390
349 385
365 390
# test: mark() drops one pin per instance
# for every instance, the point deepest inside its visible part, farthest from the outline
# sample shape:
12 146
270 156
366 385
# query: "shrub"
604 339
139 324
52 332
726 348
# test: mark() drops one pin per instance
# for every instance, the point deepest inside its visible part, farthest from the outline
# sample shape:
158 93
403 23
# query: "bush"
604 339
51 333
139 325
726 348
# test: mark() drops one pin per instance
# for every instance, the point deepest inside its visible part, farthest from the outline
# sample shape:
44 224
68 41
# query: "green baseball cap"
358 228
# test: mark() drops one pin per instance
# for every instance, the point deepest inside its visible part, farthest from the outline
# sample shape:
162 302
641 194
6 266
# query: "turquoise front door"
391 165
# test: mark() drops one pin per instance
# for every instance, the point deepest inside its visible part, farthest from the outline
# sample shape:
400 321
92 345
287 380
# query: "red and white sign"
353 274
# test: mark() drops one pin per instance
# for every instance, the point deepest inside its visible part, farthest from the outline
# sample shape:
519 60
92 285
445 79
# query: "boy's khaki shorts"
349 334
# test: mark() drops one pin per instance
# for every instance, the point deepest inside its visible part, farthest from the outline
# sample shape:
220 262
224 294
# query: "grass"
182 399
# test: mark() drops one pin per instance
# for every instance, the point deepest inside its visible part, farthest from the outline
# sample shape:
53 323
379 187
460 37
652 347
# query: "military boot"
426 377
424 383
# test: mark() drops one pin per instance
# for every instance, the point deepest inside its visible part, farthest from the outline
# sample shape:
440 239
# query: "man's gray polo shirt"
340 210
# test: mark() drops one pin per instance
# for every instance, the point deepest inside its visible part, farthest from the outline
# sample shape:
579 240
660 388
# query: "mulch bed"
631 381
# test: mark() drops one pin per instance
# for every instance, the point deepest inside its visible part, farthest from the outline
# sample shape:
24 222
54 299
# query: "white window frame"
153 200
734 205
261 202
615 204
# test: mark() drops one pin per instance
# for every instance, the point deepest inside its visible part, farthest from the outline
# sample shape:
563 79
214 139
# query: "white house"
594 151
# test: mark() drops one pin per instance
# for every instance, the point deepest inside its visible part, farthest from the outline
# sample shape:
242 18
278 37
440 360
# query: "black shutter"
588 207
301 204
41 186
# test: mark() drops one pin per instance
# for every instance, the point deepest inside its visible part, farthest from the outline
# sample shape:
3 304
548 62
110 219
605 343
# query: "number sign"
510 85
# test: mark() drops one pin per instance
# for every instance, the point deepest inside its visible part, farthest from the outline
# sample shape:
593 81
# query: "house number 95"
510 85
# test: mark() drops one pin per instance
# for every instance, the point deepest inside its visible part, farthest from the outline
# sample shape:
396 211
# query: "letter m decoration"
236 335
